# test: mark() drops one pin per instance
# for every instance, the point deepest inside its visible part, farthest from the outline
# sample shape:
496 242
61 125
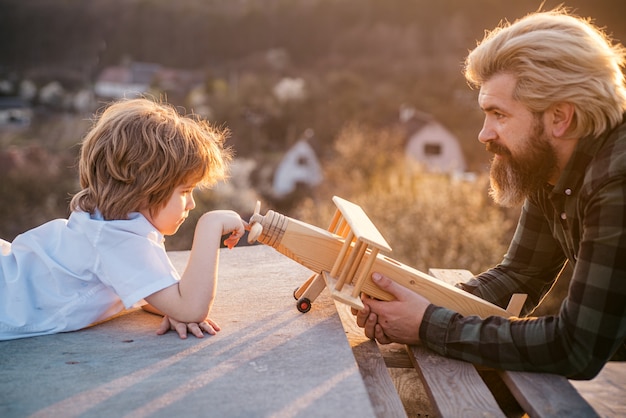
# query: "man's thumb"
387 284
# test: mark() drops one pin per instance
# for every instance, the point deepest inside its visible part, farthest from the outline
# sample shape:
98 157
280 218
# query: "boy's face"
175 212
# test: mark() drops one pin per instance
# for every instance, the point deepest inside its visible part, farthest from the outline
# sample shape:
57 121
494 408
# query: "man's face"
524 158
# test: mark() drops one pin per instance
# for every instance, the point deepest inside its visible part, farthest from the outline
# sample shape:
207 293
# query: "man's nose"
486 134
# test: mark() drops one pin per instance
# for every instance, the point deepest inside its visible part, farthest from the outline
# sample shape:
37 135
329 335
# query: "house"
430 144
125 81
299 166
138 78
15 111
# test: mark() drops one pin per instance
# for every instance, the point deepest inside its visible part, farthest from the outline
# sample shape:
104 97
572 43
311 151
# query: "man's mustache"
496 148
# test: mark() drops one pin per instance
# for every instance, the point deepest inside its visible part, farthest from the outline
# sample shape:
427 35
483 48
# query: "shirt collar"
574 172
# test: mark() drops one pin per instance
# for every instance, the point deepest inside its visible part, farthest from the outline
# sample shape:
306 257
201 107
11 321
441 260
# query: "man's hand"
181 328
398 320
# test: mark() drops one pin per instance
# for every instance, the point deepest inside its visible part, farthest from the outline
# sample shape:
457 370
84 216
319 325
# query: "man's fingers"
385 283
369 326
380 335
361 316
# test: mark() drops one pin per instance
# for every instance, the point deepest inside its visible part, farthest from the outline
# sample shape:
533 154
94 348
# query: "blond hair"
139 151
557 57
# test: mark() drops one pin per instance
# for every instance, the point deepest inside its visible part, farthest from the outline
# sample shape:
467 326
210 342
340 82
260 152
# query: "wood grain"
606 392
380 386
539 394
547 395
455 387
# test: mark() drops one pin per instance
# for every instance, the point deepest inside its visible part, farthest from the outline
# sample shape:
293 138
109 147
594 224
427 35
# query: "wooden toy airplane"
344 256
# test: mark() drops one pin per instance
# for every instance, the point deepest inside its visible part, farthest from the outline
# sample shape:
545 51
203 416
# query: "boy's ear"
561 118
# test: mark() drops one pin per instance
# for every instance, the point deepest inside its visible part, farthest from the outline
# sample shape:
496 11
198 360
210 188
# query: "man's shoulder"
613 152
619 134
609 163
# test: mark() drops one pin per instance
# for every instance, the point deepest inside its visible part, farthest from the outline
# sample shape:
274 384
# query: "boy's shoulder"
96 225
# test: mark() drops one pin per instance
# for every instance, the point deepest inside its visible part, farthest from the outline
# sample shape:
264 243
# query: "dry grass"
430 220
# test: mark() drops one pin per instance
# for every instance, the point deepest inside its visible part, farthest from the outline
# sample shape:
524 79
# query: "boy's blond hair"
139 151
557 57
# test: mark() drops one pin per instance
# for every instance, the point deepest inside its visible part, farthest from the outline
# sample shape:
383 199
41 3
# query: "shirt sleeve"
530 266
591 324
135 267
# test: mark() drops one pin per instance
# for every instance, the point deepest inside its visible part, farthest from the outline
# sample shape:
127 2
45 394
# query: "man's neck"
564 148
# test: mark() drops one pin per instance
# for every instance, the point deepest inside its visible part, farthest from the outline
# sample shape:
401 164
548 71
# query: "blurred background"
364 99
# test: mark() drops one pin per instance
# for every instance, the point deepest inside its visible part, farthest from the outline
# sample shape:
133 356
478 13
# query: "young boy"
138 167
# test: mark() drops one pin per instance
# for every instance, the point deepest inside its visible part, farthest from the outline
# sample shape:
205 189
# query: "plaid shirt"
581 220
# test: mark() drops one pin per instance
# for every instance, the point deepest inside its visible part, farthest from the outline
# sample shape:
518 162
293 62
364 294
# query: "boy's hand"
231 223
232 240
181 328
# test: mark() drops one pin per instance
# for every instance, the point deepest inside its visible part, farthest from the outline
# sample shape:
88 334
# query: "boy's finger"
181 329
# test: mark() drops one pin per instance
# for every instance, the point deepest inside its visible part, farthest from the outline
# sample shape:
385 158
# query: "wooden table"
269 360
430 385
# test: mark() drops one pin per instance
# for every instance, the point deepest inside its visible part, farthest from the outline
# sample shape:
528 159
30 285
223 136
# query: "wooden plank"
455 387
380 387
547 395
412 393
540 394
407 380
501 392
607 391
396 356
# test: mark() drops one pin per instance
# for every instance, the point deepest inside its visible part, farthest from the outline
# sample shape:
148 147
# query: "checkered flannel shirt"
581 220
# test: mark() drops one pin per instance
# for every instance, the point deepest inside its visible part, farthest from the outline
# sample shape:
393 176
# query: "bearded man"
553 93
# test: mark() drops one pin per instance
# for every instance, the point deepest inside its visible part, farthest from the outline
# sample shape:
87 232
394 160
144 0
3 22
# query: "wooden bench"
414 381
342 259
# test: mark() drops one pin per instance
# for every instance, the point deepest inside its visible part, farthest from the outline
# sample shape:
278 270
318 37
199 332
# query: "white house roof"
298 166
430 144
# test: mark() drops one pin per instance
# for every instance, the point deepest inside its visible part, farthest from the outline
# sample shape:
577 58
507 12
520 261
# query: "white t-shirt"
67 274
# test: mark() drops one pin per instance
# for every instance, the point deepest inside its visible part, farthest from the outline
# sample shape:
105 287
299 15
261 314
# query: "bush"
36 187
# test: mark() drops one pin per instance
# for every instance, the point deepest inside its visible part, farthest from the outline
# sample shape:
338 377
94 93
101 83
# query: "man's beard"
513 178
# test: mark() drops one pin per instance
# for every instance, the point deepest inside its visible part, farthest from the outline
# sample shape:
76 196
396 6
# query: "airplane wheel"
294 293
304 305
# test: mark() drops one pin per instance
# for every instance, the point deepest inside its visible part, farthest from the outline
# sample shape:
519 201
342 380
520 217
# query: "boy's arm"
149 308
190 300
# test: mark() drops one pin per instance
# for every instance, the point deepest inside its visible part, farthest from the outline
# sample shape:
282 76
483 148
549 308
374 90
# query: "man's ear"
561 118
